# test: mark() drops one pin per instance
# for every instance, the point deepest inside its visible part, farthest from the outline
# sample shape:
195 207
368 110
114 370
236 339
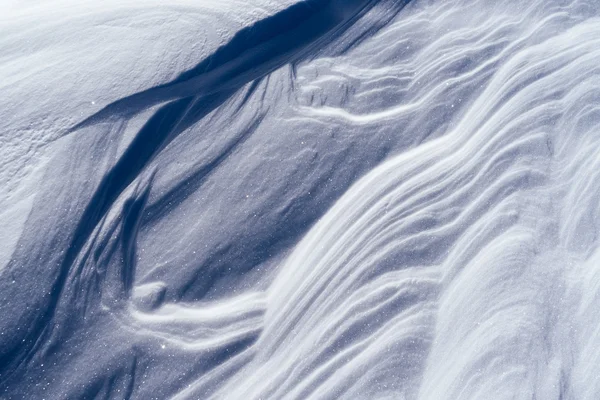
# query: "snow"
325 199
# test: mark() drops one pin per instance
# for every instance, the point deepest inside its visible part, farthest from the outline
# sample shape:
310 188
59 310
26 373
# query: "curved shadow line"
255 51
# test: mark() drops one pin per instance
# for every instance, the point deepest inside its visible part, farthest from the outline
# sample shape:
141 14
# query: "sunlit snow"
317 199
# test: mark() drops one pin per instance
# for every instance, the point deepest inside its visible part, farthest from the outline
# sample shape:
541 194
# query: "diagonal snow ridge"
81 278
255 51
399 201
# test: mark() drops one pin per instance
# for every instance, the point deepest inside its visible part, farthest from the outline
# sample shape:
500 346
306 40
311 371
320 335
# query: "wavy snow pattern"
394 202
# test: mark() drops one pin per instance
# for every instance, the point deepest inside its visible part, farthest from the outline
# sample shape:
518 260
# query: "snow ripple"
405 208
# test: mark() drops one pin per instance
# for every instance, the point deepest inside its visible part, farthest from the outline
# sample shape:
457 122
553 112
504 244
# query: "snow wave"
408 208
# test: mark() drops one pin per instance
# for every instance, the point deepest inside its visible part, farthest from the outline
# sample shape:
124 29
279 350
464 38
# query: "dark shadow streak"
253 52
286 37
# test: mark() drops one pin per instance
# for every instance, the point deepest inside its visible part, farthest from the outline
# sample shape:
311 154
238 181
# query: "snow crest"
344 199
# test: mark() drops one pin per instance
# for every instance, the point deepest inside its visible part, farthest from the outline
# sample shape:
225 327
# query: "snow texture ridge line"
287 36
255 51
343 200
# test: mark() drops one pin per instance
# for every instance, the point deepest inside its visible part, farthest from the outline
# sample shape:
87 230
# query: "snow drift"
323 199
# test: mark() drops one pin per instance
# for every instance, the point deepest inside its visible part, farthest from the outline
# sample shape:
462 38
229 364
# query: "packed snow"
316 199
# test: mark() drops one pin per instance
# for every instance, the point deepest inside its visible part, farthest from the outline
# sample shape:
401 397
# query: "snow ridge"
399 201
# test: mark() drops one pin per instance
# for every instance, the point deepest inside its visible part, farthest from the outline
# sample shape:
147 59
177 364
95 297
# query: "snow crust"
324 199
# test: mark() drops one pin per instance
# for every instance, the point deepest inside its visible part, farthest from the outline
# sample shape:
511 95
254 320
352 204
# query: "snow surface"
321 199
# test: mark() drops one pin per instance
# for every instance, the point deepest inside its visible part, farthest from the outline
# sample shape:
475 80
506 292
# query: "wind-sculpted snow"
341 199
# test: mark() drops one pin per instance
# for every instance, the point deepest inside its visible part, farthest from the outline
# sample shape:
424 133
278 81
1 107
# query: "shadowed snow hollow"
320 199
